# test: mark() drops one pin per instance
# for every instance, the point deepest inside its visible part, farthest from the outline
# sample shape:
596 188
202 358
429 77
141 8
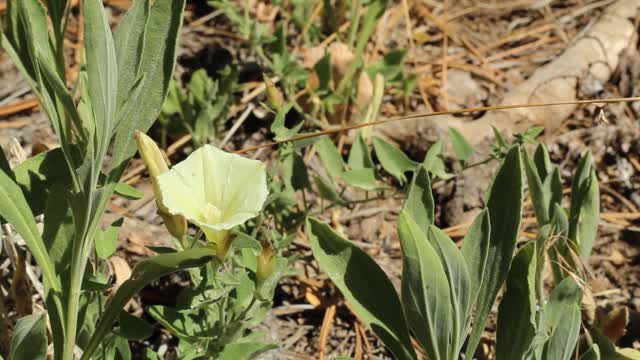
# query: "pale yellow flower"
216 191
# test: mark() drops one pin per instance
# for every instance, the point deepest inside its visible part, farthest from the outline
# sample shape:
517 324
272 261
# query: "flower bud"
266 262
273 94
157 165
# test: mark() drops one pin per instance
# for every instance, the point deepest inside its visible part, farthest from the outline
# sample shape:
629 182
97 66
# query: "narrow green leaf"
590 216
539 197
517 311
426 294
505 207
244 350
145 272
102 70
461 146
542 161
128 192
330 157
29 340
419 204
364 285
559 251
459 284
475 249
393 160
580 177
554 185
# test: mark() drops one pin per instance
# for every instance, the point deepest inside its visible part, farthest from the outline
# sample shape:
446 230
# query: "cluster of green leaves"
440 284
446 289
201 109
212 318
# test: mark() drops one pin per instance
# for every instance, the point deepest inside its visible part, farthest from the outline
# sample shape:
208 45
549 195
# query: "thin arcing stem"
436 113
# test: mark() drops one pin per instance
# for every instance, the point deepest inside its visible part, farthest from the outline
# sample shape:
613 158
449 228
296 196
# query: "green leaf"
593 353
565 295
461 146
459 283
107 240
128 192
554 183
145 272
434 163
38 174
161 34
360 155
278 126
564 337
129 42
15 210
295 171
517 311
330 157
475 249
580 179
590 216
102 70
364 285
323 69
361 178
542 161
29 340
117 348
327 191
505 207
59 229
391 65
244 241
244 350
426 295
393 160
178 323
134 328
559 251
539 197
419 204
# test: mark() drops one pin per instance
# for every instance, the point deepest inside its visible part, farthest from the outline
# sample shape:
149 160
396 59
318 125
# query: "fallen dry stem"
435 113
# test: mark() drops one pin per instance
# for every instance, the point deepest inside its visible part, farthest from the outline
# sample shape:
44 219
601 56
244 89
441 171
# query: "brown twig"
327 324
426 115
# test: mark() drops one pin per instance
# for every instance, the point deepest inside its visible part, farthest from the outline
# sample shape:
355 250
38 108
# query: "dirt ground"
490 48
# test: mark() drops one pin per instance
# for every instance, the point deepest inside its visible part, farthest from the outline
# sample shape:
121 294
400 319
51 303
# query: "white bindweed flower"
216 191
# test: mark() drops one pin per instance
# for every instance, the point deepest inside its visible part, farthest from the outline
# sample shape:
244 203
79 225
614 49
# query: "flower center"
211 214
